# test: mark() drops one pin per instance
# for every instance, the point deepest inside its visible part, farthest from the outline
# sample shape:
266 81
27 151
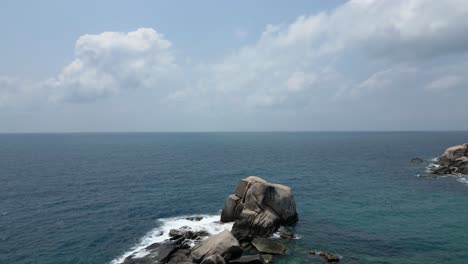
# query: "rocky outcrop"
454 160
259 208
223 244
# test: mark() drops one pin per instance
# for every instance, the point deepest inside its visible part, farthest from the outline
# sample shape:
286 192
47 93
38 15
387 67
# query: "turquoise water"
89 198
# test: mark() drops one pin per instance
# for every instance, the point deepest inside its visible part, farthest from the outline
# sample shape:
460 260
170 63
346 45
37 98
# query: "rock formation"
454 160
259 208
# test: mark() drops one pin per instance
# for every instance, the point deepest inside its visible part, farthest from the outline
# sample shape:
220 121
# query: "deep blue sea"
91 197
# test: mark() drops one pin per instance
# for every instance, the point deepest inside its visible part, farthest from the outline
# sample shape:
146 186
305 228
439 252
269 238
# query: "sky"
142 66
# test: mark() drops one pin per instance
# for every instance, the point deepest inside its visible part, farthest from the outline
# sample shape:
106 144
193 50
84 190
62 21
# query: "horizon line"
229 131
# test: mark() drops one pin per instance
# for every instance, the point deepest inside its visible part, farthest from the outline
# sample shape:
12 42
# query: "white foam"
462 179
432 165
209 223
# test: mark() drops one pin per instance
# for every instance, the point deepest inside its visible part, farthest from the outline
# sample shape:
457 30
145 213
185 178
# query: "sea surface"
97 197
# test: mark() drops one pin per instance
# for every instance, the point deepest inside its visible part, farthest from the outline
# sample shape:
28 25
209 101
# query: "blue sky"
46 31
233 66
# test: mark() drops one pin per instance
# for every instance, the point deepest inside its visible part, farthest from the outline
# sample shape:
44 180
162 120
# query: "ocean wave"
460 178
432 165
209 223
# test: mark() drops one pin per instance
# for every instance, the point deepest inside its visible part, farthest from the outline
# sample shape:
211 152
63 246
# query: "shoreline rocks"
454 160
258 209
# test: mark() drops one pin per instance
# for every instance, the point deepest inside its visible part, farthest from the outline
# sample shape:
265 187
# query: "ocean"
97 197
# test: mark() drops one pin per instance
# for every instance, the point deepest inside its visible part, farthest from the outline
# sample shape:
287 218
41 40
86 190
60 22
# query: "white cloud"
109 62
352 50
446 82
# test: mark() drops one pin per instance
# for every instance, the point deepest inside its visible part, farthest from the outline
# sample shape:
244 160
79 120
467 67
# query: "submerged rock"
259 208
268 245
329 257
286 233
417 160
224 244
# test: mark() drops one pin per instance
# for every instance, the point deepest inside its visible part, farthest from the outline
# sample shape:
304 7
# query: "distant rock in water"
417 160
454 160
259 208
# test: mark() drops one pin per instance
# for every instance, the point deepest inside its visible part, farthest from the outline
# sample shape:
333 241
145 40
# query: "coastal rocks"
224 244
269 246
454 160
259 208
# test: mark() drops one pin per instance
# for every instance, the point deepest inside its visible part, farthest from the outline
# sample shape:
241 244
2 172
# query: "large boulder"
259 208
223 244
454 160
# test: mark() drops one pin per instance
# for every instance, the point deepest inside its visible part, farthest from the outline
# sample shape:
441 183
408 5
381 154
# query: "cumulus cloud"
109 62
354 49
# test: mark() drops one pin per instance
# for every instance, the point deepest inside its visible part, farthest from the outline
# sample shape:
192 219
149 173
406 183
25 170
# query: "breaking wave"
208 223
